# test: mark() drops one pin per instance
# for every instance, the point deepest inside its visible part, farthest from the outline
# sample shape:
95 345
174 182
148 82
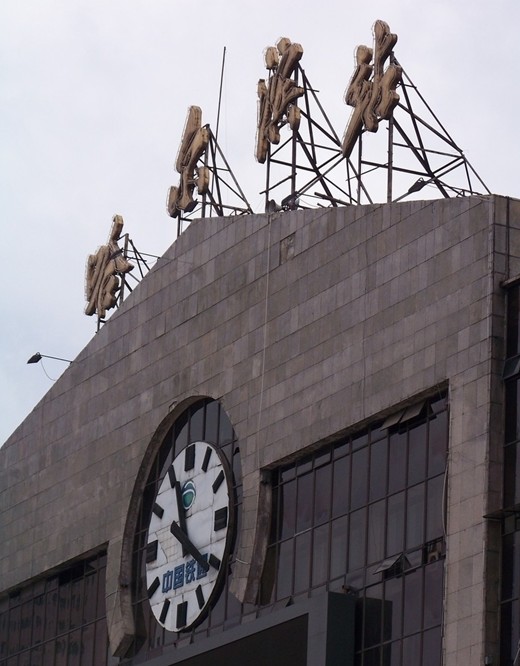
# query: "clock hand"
186 544
180 506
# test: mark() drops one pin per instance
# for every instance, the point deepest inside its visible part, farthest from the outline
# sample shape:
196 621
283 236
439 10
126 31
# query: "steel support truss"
308 169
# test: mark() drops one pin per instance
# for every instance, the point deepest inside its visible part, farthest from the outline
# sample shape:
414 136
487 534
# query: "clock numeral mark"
164 612
200 597
171 475
153 587
214 562
158 510
207 457
221 519
182 614
218 481
189 458
151 551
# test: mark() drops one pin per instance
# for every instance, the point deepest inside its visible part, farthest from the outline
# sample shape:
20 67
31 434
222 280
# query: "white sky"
93 99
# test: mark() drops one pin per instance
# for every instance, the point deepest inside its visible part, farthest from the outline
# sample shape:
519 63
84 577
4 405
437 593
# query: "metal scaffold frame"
417 145
320 159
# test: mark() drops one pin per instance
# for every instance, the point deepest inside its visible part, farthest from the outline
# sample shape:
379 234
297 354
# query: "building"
338 387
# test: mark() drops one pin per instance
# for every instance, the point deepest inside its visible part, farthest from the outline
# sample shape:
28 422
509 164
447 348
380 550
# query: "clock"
190 535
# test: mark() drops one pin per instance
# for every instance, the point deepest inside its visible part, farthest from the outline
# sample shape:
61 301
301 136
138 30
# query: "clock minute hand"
187 545
181 511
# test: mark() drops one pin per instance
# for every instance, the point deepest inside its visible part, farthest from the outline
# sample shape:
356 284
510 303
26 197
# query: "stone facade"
303 324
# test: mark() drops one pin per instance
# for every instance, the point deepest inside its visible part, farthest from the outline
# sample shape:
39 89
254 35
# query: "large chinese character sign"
189 537
371 90
194 143
102 282
276 101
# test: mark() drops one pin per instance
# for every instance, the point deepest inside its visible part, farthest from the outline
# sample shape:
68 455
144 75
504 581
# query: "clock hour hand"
187 545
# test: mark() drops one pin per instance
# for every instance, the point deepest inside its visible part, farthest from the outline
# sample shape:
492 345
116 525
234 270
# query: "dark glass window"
338 547
341 484
397 462
513 329
358 496
304 502
320 555
382 539
417 446
378 469
512 426
510 588
52 622
395 524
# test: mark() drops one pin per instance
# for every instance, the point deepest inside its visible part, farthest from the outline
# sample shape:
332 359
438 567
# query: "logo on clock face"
189 494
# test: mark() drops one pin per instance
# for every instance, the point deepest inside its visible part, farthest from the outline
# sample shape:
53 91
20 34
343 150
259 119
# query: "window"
510 587
366 515
58 621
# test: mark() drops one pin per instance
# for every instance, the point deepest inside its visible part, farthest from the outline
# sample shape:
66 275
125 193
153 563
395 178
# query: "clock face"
189 537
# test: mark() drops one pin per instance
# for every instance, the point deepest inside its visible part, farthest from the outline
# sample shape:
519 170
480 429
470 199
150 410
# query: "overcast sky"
93 100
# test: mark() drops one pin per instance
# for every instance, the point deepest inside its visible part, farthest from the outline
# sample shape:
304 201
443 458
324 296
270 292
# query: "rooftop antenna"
220 91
